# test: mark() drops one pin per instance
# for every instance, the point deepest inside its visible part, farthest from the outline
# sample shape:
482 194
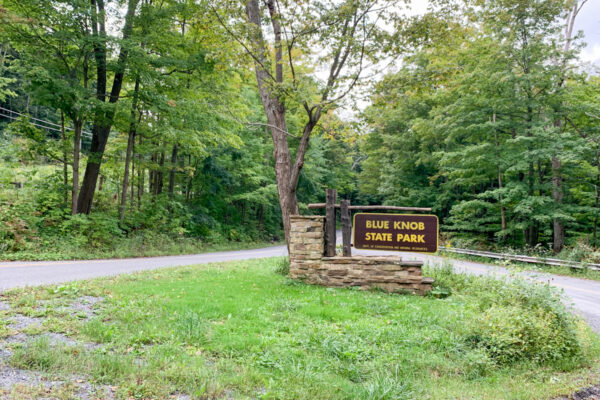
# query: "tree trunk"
531 234
141 180
557 194
171 188
159 174
595 235
76 156
132 195
130 144
286 175
104 117
501 200
128 153
65 160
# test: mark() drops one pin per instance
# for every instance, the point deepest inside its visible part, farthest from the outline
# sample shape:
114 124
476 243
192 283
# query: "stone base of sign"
388 273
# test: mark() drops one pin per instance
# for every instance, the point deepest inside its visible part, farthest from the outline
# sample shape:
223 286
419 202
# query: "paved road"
584 294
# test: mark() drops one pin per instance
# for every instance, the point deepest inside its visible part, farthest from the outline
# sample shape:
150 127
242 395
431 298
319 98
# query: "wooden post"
346 227
330 222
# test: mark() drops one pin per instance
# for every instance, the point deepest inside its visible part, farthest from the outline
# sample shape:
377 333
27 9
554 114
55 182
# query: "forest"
143 127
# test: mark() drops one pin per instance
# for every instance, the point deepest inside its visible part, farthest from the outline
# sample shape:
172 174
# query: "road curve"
584 294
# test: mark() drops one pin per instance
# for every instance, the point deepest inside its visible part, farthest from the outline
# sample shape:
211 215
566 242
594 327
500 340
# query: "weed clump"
282 266
517 320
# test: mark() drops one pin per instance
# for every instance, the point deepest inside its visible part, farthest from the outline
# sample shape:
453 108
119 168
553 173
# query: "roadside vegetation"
243 330
583 273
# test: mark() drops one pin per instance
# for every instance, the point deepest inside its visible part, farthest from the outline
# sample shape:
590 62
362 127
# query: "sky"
588 21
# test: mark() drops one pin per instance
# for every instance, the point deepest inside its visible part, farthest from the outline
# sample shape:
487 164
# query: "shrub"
519 320
511 334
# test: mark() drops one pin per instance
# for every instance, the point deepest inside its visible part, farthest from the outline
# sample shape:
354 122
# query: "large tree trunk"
103 118
286 174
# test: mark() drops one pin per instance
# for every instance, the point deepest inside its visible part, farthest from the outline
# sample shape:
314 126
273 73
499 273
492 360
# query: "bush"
96 230
510 334
519 320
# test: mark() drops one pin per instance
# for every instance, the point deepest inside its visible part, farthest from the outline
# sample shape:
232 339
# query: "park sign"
396 232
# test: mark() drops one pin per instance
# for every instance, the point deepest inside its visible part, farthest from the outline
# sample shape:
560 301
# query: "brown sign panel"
396 232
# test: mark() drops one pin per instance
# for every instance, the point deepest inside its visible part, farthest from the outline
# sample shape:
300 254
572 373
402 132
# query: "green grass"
241 330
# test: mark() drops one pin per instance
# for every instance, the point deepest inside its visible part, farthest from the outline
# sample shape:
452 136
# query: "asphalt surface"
584 294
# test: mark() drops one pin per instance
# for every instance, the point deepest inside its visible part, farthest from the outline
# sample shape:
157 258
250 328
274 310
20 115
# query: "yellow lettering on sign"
410 238
378 224
405 225
380 237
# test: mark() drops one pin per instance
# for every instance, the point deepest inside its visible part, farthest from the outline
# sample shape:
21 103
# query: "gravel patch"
20 322
4 306
5 354
84 390
10 377
59 338
18 338
85 305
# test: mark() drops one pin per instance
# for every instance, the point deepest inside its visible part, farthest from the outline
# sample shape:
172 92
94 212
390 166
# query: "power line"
5 114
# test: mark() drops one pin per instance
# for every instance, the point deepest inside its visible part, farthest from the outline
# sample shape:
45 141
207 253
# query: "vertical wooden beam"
330 196
346 227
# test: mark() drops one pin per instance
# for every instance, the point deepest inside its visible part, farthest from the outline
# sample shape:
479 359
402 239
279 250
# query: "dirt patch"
589 393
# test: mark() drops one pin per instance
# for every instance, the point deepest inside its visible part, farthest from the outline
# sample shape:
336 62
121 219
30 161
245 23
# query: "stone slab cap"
307 217
372 260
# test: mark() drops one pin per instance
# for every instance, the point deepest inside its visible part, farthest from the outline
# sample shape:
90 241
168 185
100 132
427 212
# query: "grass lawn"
240 330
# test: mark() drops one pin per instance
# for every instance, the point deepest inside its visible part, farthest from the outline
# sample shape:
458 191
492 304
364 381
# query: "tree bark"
159 174
104 117
500 197
65 160
128 152
76 156
171 188
557 194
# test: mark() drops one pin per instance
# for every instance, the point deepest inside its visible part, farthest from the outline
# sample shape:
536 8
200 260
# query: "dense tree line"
218 120
159 105
494 123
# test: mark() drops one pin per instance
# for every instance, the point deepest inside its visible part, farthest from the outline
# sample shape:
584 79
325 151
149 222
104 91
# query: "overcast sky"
588 21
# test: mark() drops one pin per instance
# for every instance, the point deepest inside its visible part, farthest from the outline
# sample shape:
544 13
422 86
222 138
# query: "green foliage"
476 120
517 320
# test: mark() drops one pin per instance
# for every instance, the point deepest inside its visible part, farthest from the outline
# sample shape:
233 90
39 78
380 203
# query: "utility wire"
8 113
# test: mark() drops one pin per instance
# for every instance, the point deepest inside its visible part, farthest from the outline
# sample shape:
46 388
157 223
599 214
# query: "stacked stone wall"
389 273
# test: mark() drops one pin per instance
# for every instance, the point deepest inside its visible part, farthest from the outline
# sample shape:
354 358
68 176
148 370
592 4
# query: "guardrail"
525 259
